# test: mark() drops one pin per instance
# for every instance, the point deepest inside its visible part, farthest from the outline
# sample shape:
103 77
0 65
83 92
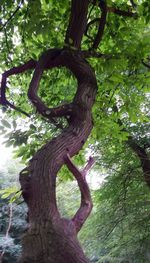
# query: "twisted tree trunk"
51 238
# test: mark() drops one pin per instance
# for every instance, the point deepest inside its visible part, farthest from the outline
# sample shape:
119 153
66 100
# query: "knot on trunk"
24 178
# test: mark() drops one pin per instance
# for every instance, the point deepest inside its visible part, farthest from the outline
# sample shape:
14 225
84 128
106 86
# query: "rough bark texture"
51 238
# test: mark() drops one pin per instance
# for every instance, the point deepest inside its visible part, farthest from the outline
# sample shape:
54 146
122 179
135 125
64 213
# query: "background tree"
120 31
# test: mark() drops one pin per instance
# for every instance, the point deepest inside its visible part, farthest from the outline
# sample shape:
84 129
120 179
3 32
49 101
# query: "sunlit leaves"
11 193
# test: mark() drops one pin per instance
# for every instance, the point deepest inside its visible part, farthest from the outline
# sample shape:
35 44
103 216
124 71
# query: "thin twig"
145 64
12 106
7 44
12 15
8 230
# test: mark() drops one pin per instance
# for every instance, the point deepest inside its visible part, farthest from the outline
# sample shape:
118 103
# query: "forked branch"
86 201
102 21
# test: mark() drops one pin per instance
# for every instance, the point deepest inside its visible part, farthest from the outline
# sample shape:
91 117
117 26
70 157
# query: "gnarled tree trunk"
51 238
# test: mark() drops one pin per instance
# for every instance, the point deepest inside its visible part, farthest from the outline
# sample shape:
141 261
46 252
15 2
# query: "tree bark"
50 238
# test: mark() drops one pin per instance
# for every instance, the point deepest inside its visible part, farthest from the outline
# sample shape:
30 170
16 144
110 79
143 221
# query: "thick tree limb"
14 71
86 202
77 23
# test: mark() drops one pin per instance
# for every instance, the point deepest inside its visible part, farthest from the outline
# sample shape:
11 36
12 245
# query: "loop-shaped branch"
86 201
14 71
49 59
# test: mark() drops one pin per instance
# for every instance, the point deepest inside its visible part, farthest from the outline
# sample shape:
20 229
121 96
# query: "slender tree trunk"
50 238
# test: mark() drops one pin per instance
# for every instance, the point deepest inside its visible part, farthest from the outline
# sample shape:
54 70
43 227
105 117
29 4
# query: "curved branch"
51 156
87 28
86 201
14 71
102 23
49 59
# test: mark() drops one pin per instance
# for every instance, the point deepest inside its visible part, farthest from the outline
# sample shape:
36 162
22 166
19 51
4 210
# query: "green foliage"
120 215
